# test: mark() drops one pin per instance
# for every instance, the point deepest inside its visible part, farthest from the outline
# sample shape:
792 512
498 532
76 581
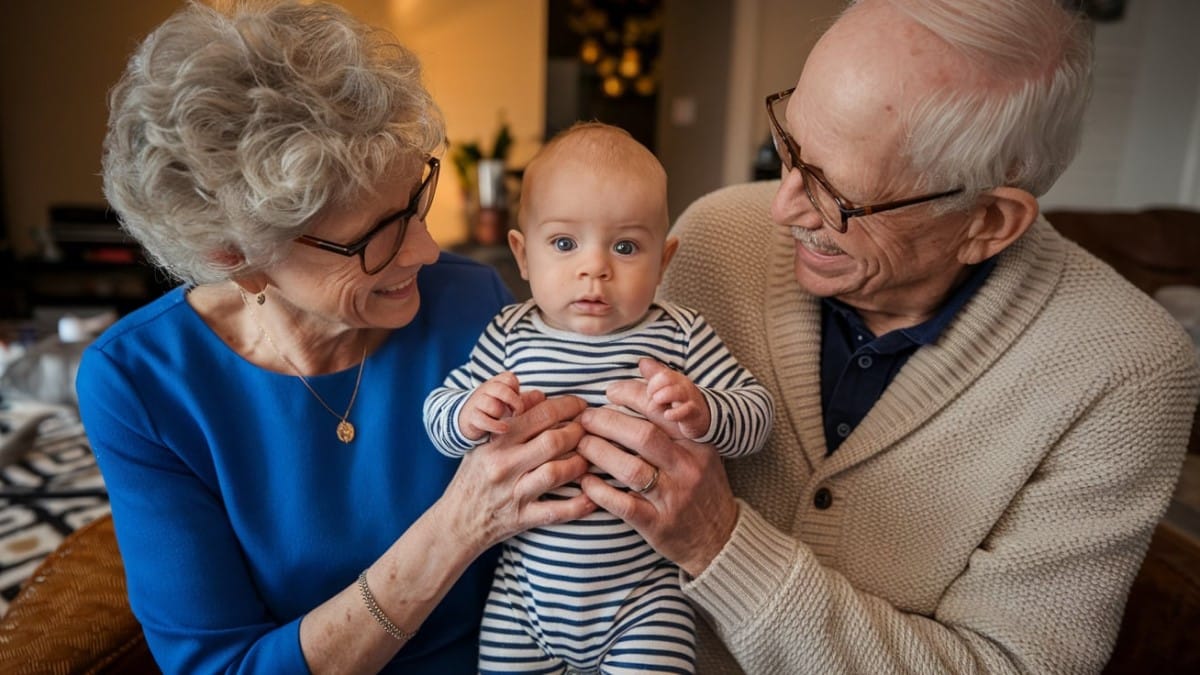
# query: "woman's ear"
226 258
999 218
516 241
230 258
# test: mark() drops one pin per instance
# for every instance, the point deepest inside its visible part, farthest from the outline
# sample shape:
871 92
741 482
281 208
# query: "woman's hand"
688 512
498 488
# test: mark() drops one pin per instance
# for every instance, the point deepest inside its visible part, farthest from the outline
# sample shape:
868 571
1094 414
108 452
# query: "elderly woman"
277 504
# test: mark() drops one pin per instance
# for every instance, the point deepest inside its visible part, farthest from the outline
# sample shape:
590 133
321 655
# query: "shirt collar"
928 331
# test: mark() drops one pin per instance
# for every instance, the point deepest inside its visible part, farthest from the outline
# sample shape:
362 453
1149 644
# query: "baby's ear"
670 246
516 241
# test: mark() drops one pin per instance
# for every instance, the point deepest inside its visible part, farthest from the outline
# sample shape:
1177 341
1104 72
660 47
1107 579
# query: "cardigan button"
823 499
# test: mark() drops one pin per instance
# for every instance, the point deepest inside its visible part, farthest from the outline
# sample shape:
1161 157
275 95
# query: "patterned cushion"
47 492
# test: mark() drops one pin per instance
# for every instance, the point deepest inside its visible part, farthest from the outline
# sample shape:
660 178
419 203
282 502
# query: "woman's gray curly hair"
231 130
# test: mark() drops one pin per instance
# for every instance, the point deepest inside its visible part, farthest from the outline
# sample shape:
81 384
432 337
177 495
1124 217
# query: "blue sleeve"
172 530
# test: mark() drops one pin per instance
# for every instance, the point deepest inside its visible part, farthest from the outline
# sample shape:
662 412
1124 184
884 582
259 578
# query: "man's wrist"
710 547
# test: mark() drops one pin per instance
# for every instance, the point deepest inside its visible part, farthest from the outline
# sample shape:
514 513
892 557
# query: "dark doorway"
603 64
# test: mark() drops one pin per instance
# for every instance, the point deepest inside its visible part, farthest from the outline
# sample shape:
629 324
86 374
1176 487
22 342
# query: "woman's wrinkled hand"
497 490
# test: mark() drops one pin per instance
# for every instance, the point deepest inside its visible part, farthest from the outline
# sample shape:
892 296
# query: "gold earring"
260 298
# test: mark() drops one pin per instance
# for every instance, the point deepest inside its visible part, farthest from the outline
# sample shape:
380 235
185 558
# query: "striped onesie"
590 595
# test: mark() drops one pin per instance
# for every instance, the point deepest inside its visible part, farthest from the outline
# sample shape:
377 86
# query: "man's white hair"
1027 67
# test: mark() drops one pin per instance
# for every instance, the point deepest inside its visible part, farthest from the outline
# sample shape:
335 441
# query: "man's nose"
791 206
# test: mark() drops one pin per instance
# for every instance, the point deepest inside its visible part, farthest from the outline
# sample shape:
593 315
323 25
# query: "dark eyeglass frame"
359 247
789 155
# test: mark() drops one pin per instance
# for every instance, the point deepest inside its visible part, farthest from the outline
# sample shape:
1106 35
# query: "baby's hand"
488 405
677 398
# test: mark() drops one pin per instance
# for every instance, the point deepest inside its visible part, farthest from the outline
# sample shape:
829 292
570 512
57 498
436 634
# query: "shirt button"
843 430
865 362
823 499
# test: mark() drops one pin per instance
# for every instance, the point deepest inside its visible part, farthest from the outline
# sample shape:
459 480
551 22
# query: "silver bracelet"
373 607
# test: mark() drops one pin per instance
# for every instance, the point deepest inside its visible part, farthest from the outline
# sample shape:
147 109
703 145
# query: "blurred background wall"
486 61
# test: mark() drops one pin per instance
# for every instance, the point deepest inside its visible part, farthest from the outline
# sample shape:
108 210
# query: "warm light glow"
644 85
476 63
630 63
595 20
620 41
614 86
589 51
405 9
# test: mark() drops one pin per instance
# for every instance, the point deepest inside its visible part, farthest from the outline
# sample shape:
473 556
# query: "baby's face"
593 246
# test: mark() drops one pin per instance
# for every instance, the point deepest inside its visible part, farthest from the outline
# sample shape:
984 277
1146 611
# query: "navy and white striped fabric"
591 594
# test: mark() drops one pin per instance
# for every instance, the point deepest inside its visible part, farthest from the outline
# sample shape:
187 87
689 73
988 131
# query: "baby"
591 595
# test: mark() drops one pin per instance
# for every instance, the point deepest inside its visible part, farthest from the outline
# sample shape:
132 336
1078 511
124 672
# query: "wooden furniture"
1160 632
72 615
1151 248
89 262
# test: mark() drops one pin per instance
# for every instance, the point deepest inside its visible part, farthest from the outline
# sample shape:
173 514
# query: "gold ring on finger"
650 483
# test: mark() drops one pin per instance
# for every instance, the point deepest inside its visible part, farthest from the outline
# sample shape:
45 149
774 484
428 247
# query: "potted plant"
482 177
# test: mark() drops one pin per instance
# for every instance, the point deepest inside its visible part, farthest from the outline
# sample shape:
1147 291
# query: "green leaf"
503 144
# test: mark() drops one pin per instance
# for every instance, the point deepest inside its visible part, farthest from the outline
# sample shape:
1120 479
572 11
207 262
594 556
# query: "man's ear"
516 241
670 246
999 218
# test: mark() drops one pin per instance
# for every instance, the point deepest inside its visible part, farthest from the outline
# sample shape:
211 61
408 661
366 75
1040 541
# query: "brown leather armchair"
1151 248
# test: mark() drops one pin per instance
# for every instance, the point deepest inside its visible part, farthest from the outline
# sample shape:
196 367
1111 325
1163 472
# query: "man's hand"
688 513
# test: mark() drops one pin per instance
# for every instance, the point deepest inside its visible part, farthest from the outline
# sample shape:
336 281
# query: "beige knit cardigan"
989 513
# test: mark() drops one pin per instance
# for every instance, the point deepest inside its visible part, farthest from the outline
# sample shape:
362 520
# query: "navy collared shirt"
856 366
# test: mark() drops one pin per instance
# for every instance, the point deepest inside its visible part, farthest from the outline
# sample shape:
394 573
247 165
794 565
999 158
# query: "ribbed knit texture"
992 509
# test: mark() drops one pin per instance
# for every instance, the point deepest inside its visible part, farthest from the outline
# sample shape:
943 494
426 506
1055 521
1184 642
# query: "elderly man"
979 423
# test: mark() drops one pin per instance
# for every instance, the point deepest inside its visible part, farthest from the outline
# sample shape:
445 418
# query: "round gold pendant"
345 431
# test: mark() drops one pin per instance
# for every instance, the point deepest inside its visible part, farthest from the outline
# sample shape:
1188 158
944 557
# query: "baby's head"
593 229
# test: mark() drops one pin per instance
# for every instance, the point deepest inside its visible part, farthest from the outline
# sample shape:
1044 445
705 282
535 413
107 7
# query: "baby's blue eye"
625 247
563 244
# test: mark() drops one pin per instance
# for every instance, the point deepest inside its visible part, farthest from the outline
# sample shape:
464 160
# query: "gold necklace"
345 430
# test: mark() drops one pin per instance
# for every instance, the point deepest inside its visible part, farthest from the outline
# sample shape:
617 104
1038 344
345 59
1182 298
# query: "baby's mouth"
591 304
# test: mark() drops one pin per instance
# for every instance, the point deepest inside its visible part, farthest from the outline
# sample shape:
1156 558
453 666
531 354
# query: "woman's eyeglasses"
377 248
